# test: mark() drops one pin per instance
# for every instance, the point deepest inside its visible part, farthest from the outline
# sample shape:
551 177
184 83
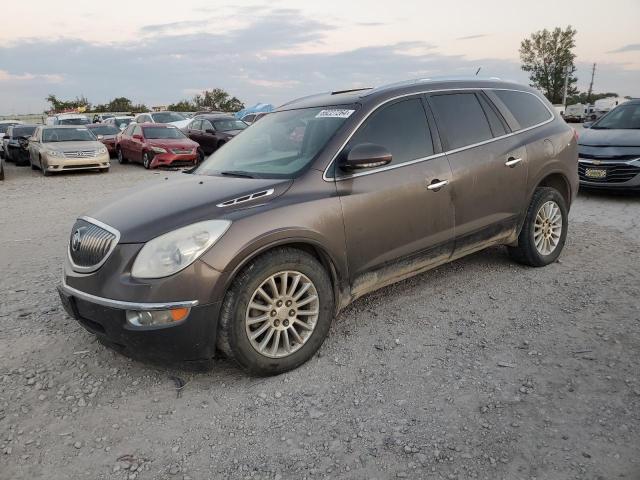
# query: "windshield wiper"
236 173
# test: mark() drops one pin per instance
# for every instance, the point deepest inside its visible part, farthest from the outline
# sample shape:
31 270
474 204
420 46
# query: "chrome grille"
615 173
81 154
90 245
182 151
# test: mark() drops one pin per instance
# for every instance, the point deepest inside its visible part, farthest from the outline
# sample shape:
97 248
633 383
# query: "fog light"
149 318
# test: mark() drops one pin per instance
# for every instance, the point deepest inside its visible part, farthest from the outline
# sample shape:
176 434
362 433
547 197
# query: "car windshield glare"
227 125
22 131
104 130
52 135
281 145
166 117
73 121
624 117
162 132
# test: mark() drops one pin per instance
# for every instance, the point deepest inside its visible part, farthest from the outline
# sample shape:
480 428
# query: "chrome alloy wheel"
548 228
282 314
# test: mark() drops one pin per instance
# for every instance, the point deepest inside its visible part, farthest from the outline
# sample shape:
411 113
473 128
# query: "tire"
146 160
233 331
546 252
121 158
1 171
44 170
201 156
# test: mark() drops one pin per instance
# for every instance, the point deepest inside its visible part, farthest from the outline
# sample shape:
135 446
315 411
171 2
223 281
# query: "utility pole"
566 86
593 72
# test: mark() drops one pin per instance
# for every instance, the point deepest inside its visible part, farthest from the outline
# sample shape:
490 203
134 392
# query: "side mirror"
100 137
587 124
6 137
210 130
122 127
366 155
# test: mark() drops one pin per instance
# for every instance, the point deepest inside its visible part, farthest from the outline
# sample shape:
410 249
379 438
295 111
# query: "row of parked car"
155 139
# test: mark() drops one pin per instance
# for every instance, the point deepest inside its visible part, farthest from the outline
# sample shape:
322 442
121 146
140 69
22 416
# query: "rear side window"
462 119
526 108
401 128
496 124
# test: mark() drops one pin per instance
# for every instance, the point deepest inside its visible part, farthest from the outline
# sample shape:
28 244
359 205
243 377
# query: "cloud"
263 60
22 77
471 37
163 28
627 48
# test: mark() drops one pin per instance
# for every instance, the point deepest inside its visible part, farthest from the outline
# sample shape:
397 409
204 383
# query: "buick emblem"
76 239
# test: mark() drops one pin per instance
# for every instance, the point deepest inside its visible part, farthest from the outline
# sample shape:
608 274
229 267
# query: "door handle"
437 185
512 162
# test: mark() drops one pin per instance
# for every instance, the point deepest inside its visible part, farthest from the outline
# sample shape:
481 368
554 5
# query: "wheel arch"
314 248
559 182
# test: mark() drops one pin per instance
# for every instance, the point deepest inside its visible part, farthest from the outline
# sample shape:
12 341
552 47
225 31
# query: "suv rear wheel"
277 312
544 231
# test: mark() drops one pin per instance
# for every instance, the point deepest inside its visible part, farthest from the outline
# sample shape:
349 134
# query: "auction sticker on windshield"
334 113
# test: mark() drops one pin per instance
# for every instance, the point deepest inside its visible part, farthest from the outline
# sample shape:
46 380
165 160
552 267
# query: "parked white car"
68 119
172 118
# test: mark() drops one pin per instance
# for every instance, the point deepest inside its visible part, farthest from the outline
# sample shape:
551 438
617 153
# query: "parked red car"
156 145
105 134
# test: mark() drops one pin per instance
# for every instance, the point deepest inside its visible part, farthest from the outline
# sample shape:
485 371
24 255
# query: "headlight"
102 150
158 150
53 153
173 251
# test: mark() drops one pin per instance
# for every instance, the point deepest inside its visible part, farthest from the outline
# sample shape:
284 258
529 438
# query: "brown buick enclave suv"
324 200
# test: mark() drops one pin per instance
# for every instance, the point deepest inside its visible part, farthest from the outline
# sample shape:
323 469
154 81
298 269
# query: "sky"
160 52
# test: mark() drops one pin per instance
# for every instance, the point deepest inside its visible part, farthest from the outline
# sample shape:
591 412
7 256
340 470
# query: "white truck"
576 113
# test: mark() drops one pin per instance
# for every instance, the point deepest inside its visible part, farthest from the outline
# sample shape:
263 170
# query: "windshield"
4 126
122 121
226 125
51 135
162 132
166 117
104 130
626 116
280 145
23 131
73 121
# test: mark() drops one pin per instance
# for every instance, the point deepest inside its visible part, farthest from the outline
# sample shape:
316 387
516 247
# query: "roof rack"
337 92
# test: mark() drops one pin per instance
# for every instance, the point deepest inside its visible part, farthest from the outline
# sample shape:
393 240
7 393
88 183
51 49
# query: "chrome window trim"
120 304
108 228
326 178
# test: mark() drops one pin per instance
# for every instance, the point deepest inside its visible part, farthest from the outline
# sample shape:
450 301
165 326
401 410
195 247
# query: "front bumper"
60 164
193 338
619 175
170 159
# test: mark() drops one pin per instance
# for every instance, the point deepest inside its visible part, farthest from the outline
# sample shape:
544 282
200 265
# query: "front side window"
461 118
129 130
281 145
228 125
401 128
526 108
195 125
52 135
22 131
206 125
162 132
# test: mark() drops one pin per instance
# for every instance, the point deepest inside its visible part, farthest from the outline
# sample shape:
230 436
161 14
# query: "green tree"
582 97
217 99
58 105
547 56
182 106
120 104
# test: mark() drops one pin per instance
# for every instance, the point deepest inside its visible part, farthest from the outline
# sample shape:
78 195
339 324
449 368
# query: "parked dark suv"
322 201
211 131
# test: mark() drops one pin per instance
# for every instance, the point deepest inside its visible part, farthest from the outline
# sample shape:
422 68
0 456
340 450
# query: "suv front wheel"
544 230
277 312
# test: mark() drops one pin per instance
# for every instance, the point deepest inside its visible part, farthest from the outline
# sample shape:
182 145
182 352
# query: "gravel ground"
478 369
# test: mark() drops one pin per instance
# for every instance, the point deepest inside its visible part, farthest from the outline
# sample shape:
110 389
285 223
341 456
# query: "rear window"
23 131
526 108
104 130
162 132
462 119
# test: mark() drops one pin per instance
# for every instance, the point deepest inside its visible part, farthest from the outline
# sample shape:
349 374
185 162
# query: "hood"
73 146
172 142
181 123
610 138
162 205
